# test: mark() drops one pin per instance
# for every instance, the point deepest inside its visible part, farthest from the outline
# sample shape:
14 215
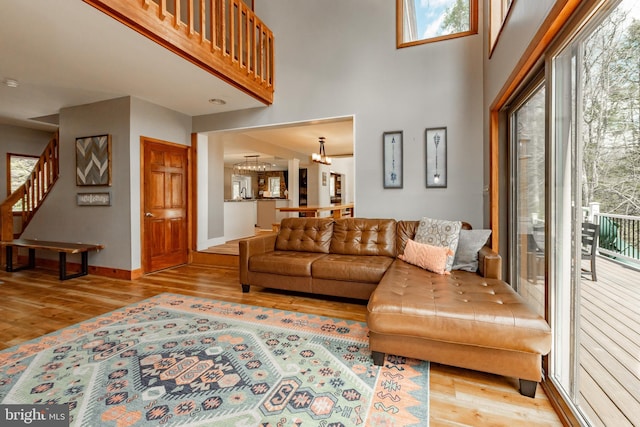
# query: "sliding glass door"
574 151
594 128
528 213
565 203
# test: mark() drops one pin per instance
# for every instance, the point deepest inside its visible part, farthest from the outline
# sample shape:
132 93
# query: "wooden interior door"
165 239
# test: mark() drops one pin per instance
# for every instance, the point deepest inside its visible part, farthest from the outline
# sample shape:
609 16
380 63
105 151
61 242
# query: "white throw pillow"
470 242
439 232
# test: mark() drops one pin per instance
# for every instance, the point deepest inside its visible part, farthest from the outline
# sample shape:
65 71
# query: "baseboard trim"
567 417
113 273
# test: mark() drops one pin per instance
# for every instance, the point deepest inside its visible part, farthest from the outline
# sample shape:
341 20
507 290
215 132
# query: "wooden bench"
61 247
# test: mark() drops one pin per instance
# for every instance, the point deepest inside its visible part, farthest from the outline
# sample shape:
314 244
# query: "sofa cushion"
364 236
351 268
470 242
440 232
432 258
285 263
305 234
406 230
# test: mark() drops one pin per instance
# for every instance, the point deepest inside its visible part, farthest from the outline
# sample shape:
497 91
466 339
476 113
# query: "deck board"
609 356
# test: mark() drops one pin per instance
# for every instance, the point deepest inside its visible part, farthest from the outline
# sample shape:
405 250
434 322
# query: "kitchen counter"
242 215
336 210
239 218
256 200
268 213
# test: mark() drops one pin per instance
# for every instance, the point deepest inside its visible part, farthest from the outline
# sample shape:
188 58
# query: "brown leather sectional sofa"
470 320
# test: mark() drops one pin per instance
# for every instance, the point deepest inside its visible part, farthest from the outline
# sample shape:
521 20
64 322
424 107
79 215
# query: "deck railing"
224 37
619 236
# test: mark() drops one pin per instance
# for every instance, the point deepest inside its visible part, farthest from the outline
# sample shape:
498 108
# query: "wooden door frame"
190 216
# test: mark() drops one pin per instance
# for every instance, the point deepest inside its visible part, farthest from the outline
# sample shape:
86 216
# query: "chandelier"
321 156
249 165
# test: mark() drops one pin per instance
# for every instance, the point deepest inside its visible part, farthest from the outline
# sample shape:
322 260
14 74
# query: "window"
573 152
498 11
241 187
527 133
420 21
19 167
594 130
274 186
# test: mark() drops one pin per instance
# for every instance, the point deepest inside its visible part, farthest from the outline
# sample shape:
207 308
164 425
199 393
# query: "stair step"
217 260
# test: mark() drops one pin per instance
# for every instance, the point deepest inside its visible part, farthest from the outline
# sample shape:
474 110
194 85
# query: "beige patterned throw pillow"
439 232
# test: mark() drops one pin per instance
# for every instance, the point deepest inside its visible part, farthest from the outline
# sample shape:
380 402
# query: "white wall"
59 218
116 226
19 140
202 226
524 21
151 121
338 58
345 166
215 192
318 194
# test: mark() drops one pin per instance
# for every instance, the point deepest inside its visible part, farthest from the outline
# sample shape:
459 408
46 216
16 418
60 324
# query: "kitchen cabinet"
268 213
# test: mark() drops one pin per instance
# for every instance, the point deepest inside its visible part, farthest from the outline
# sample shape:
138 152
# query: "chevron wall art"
93 160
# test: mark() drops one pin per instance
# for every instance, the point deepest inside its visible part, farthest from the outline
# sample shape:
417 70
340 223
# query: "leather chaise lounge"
465 319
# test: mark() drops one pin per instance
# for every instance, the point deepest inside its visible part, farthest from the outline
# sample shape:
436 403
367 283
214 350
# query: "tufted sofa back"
305 234
364 236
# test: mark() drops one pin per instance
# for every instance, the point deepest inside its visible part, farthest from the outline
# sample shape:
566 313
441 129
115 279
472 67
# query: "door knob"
148 215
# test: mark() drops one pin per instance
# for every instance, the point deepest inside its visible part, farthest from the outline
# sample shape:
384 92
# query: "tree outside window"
425 21
19 167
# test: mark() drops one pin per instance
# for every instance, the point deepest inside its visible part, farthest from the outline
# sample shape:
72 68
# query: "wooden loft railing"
44 174
224 37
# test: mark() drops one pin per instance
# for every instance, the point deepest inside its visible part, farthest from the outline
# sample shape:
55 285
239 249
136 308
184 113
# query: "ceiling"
277 144
65 53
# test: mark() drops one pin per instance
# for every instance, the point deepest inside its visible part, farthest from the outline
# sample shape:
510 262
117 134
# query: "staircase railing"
34 190
224 37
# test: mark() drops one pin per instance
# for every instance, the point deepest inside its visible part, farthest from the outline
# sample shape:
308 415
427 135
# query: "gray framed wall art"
93 160
392 162
435 142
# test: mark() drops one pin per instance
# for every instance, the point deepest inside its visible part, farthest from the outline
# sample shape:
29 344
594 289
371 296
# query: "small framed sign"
93 199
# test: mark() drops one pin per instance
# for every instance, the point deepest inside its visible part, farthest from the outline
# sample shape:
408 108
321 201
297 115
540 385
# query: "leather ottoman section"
351 268
511 363
462 308
285 263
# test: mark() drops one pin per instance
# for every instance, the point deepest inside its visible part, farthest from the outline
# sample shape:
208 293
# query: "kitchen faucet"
244 190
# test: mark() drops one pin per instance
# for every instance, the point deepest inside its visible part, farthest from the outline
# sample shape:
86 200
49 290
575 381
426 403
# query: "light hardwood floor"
35 302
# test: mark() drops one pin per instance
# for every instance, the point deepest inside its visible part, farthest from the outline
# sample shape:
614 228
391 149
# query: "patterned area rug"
174 360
